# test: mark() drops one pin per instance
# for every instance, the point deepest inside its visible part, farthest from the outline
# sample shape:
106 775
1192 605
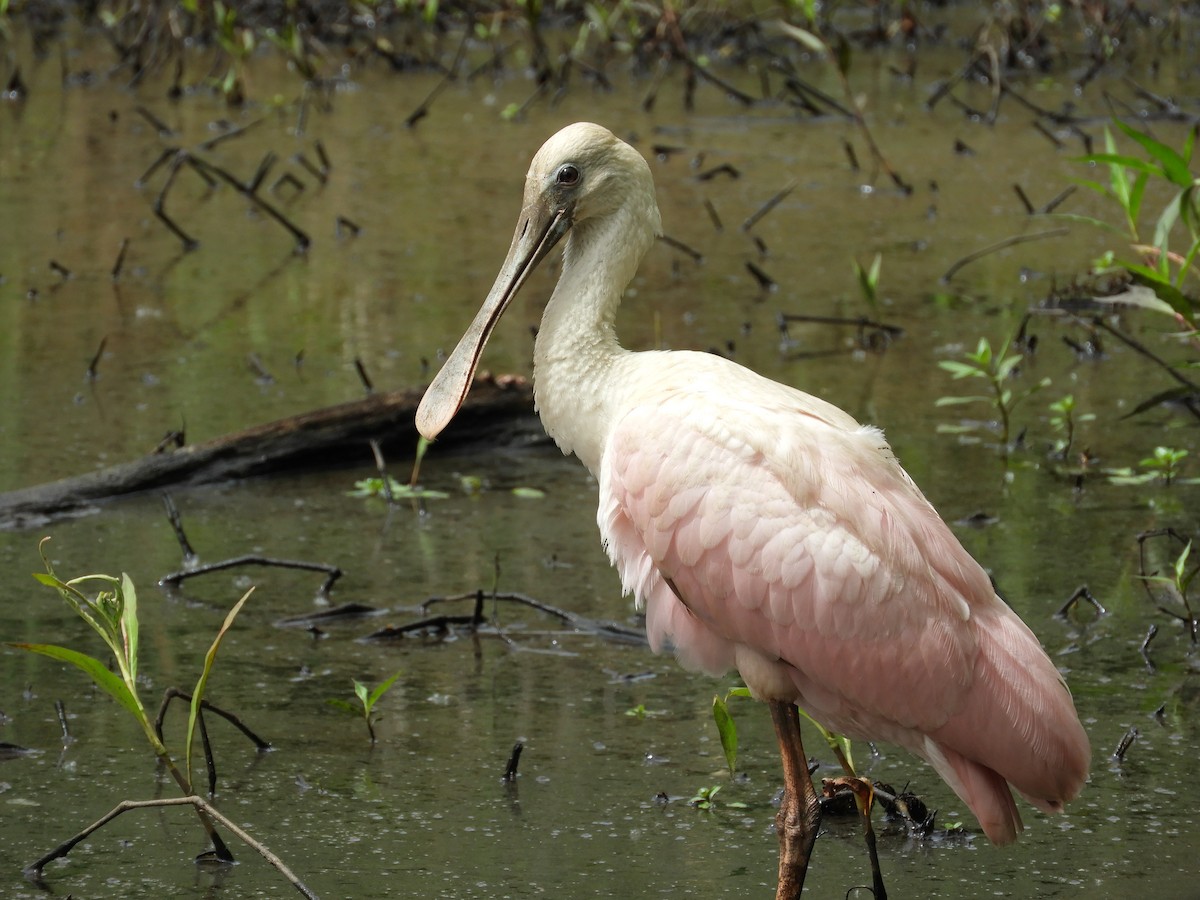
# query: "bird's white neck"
577 347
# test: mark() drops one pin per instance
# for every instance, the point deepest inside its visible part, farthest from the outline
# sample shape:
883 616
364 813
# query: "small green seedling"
367 698
1179 582
1164 463
373 487
705 797
1064 420
868 280
996 369
1162 466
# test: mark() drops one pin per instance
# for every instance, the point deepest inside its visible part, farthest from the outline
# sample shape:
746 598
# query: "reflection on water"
423 813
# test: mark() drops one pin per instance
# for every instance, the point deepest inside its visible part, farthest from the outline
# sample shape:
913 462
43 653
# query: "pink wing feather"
799 551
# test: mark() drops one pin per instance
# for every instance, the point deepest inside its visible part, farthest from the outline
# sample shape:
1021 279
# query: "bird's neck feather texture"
577 347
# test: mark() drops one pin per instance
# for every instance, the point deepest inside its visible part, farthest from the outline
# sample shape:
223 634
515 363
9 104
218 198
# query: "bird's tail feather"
984 791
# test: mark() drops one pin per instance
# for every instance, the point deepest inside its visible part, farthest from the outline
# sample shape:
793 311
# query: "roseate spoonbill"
766 530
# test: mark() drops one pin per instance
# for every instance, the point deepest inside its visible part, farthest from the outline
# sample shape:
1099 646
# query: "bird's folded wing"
802 539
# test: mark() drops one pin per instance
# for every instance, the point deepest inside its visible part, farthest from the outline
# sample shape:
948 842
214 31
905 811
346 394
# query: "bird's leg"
800 812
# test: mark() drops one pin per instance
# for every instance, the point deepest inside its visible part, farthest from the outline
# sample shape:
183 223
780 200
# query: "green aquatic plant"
706 798
367 698
1162 465
996 369
1165 266
111 609
727 730
868 279
375 487
1064 419
1178 582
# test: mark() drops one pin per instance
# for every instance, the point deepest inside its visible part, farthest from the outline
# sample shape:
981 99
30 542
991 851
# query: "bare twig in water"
864 800
695 255
175 694
259 368
189 555
510 771
363 377
1023 198
1001 245
115 274
723 169
1126 742
1151 633
60 710
302 239
94 365
422 109
1056 201
1146 352
765 281
176 159
713 216
381 468
870 333
164 130
774 201
1081 593
34 869
443 624
333 573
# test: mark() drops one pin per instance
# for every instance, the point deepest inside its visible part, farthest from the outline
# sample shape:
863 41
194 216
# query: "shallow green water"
423 813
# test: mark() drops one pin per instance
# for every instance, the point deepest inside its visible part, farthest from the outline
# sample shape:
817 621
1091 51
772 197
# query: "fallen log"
498 412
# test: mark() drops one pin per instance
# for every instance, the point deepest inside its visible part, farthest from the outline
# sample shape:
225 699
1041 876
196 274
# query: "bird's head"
579 179
585 172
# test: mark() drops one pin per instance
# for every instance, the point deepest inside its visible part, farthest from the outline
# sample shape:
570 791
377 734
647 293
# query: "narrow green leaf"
959 401
1164 290
1117 177
202 681
345 706
803 37
1135 197
528 493
1162 232
382 689
1005 367
1119 161
363 694
836 742
49 580
129 624
98 672
1181 562
1088 220
727 729
983 352
1173 165
1090 185
960 369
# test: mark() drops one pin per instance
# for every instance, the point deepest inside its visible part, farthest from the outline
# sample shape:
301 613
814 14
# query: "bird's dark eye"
567 175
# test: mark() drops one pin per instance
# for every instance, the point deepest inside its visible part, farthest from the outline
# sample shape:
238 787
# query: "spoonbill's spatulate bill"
766 530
